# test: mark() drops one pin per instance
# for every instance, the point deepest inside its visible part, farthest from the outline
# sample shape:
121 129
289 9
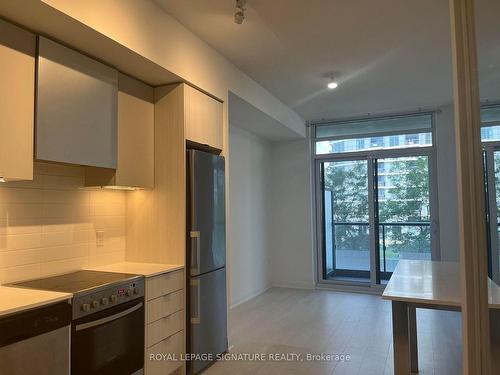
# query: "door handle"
195 306
108 319
195 251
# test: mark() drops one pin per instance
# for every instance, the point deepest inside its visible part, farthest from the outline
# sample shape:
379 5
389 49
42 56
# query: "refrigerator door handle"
195 252
195 308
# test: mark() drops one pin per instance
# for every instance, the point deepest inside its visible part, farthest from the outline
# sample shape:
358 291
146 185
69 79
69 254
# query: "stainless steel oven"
110 341
107 326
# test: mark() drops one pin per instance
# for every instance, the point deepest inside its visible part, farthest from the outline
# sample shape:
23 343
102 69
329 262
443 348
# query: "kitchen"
104 180
253 187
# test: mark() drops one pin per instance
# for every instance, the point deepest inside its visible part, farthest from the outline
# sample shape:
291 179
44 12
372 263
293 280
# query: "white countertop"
145 269
14 300
435 283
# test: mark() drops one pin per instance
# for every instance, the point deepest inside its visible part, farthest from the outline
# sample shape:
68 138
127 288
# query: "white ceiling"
389 55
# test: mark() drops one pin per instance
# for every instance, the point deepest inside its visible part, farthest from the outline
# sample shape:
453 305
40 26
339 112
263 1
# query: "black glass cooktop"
76 282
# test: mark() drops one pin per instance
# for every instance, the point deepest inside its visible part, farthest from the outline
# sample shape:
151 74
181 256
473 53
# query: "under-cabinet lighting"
128 188
2 179
112 187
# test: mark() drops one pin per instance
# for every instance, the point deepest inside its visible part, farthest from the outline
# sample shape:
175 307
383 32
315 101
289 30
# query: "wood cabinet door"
135 133
17 102
203 118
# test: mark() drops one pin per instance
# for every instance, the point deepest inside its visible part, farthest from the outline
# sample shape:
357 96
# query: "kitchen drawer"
164 284
165 327
170 351
164 305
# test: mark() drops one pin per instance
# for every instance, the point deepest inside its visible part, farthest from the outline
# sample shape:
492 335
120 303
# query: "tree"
406 199
348 183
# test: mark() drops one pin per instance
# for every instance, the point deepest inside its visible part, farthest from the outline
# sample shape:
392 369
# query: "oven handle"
81 327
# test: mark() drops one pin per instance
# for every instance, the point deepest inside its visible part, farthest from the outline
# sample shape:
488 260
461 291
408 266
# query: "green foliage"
348 182
406 199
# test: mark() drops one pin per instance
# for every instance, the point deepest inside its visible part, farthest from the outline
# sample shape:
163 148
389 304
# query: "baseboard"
305 286
249 297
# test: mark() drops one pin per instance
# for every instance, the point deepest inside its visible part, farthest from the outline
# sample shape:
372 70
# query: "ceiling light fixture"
239 15
332 84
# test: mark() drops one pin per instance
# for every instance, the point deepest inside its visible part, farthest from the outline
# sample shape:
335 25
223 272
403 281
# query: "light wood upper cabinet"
203 118
135 158
17 101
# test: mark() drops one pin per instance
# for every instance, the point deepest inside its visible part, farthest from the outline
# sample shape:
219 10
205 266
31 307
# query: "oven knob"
104 301
85 307
95 304
114 298
130 292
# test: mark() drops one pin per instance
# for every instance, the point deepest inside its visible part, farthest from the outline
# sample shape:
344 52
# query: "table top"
431 283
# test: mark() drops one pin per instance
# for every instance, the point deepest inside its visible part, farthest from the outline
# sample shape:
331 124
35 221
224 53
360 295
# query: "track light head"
239 14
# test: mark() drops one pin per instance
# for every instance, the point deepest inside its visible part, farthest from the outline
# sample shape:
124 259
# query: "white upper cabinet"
135 166
203 118
76 117
17 100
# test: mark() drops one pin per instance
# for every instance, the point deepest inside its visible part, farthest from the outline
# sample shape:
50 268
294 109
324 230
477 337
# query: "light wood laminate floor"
301 322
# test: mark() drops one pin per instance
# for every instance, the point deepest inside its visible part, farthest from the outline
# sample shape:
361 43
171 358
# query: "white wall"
250 209
293 250
291 240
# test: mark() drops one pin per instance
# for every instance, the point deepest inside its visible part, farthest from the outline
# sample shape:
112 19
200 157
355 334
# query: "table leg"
400 337
412 324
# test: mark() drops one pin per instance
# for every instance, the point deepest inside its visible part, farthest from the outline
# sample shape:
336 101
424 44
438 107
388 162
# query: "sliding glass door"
376 196
345 219
403 211
374 212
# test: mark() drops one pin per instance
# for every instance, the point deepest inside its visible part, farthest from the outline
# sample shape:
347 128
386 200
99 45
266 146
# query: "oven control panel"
107 297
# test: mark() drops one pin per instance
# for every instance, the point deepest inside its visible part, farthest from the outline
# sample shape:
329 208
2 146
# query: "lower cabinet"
165 324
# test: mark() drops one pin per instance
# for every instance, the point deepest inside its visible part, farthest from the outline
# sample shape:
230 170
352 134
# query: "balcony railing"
410 240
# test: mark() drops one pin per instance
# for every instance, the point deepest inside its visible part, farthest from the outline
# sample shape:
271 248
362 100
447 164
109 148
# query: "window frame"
369 155
489 148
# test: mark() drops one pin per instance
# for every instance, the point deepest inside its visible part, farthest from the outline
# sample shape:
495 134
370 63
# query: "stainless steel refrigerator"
206 232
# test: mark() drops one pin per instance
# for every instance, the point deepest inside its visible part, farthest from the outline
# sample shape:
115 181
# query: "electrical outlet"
99 238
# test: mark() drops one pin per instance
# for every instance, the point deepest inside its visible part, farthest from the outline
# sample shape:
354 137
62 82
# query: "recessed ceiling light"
332 85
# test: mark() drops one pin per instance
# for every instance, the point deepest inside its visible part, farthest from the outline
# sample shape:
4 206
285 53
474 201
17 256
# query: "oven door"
110 341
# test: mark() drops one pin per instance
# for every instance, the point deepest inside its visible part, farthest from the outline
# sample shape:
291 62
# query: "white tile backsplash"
47 226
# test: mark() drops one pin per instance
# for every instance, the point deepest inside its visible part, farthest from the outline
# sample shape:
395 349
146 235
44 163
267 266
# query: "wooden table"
429 285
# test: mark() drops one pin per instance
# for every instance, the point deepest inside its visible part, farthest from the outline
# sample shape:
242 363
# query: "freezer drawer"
208 316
